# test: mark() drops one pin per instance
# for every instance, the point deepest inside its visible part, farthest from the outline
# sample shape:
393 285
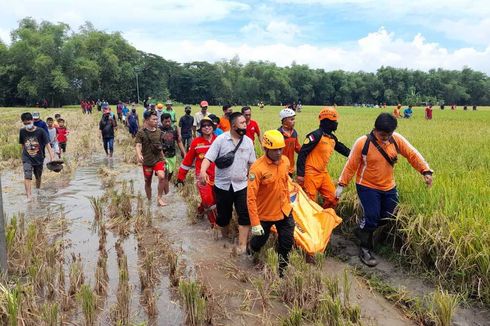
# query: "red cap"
204 103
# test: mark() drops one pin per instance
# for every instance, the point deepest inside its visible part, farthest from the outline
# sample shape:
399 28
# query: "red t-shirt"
252 129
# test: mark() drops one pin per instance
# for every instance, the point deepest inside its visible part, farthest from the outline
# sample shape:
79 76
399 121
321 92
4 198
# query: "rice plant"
443 307
13 299
194 302
88 301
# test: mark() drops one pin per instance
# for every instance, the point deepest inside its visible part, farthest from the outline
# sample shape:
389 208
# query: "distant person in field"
396 111
149 152
224 121
39 123
261 105
428 112
62 135
465 108
372 160
215 119
33 140
133 122
199 115
170 140
185 124
125 112
252 125
474 107
107 125
53 136
408 112
159 110
119 109
268 199
195 156
314 156
170 110
288 120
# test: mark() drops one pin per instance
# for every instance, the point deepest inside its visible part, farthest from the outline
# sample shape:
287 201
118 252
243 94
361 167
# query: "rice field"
443 231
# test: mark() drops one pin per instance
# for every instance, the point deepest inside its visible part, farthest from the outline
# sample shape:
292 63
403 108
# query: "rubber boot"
366 246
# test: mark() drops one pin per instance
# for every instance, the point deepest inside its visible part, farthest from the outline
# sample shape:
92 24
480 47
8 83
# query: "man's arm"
252 189
310 142
180 144
341 148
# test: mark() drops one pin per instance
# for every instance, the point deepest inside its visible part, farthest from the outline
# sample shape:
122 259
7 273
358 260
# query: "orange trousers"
320 183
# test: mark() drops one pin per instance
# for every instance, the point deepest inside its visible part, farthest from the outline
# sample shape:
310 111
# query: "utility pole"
3 242
137 84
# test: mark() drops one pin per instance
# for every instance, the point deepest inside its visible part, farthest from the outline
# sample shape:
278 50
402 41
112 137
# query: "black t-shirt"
34 143
185 124
106 126
169 137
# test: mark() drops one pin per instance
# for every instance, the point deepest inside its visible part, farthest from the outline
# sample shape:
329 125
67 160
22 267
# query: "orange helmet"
329 113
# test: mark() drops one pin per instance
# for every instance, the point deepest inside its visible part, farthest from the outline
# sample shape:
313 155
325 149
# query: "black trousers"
225 199
285 232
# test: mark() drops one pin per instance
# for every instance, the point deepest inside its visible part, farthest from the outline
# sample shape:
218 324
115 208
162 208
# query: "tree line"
51 61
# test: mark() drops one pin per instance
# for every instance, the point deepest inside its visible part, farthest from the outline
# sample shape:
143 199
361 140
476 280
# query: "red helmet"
204 104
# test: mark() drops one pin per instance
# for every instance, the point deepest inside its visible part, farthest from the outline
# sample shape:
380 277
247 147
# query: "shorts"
170 164
148 170
224 206
63 147
29 169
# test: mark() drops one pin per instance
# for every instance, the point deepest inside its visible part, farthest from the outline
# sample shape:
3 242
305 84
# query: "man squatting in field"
149 152
268 198
313 158
195 155
372 159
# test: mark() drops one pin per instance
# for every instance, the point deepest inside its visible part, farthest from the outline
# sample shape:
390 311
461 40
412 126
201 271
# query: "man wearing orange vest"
313 158
268 199
195 155
224 121
372 159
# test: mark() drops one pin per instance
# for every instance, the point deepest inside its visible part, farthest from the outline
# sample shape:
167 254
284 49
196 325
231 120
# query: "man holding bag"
233 154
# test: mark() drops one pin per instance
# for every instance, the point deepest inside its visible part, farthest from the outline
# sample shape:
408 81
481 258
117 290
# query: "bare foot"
161 202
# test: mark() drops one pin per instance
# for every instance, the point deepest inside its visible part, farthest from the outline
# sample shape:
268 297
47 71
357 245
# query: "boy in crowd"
170 137
185 124
288 119
62 135
53 136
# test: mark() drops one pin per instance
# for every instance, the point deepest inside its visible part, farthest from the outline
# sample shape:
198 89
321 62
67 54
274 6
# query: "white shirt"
198 117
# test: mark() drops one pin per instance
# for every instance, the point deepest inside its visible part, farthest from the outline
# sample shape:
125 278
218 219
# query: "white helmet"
287 113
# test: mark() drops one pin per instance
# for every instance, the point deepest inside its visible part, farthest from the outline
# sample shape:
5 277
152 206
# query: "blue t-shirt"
41 124
218 131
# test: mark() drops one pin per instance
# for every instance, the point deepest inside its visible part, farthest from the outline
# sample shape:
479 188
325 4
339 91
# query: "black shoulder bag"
372 139
226 160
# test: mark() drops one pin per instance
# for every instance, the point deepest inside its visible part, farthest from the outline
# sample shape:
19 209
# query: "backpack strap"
238 145
372 139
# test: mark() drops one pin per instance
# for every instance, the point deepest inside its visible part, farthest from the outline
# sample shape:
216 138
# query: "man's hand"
257 230
428 180
338 191
300 180
203 178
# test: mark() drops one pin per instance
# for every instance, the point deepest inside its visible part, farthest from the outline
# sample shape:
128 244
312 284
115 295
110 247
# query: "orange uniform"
312 165
224 124
292 146
396 112
267 192
373 170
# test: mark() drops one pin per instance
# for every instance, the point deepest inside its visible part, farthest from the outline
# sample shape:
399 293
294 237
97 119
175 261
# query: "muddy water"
70 196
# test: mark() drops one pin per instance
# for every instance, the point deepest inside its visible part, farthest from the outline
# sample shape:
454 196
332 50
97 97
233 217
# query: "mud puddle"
397 277
70 198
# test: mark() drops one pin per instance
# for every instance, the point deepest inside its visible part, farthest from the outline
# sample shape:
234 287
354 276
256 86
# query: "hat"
169 102
55 165
204 104
214 118
206 119
36 115
328 113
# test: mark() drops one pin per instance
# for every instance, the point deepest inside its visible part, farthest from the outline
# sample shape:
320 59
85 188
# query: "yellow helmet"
273 139
160 105
329 113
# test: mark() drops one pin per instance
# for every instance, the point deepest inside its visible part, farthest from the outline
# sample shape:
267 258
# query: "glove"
179 183
338 191
257 230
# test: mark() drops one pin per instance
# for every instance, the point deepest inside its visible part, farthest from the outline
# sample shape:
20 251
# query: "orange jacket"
224 124
396 112
292 146
267 191
374 171
315 153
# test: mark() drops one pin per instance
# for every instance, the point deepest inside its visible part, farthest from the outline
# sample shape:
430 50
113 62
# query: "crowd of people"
230 176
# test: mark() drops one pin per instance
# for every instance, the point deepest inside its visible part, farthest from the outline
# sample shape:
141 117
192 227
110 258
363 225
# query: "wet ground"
204 257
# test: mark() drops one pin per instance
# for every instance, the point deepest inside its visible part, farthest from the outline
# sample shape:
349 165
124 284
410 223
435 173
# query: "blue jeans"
109 145
376 205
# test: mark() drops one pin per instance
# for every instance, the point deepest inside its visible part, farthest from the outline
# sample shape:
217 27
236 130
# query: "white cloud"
380 48
279 31
4 36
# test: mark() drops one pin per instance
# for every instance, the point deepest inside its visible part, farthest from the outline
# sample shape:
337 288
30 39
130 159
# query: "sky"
351 35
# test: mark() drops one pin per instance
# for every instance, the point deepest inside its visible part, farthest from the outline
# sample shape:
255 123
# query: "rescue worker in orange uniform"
195 155
224 121
268 199
313 158
396 111
372 160
290 135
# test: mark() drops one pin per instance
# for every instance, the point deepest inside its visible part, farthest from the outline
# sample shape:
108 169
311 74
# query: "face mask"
187 112
241 131
30 126
227 114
